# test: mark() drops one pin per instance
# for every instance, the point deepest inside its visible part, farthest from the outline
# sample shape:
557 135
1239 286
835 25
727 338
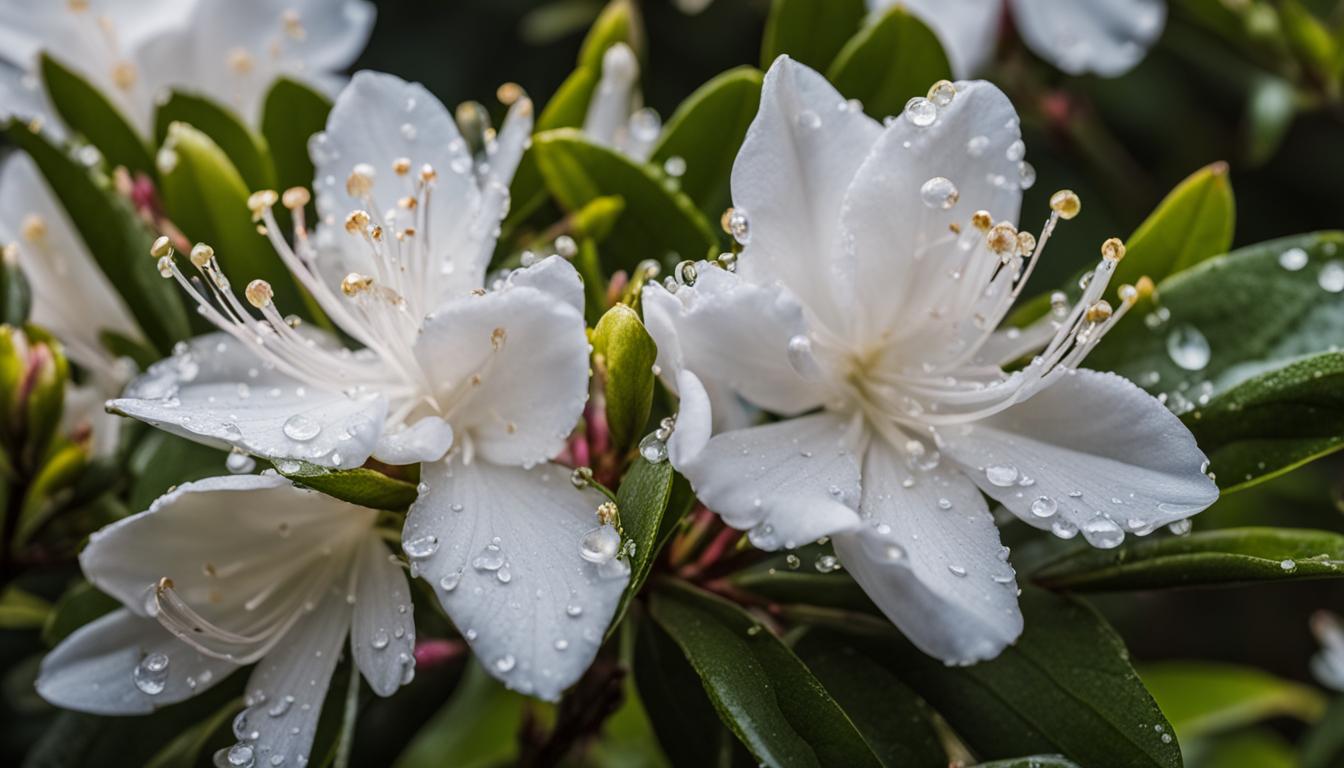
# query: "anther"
356 221
201 255
259 294
1098 312
240 61
123 75
1113 249
162 247
1002 238
607 513
260 201
1026 243
427 173
34 228
1066 203
166 266
497 338
295 198
1144 285
360 181
408 202
1128 293
354 283
401 166
293 25
508 93
982 220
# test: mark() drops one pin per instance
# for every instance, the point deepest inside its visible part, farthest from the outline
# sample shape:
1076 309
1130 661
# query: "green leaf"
115 237
619 22
1229 556
16 297
652 499
892 719
1323 746
87 112
626 352
1260 747
21 610
1194 222
162 460
186 749
1065 687
79 605
811 31
41 500
477 728
762 692
889 63
659 221
706 131
361 486
779 580
292 113
687 727
1274 422
1270 111
1202 698
1034 761
248 151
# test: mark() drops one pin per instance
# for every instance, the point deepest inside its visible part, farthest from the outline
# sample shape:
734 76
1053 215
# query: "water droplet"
380 640
1103 533
281 707
957 570
1044 507
237 756
827 564
921 112
809 120
1002 475
942 93
977 145
1016 151
739 226
893 552
301 428
151 674
944 503
1288 565
505 663
792 561
450 581
1331 278
421 546
239 463
504 575
1293 259
408 131
675 166
939 193
1064 529
490 559
1181 527
653 449
645 125
600 544
1188 348
573 610
561 644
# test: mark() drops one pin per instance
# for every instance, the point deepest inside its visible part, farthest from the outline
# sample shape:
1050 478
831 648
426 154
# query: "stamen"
1066 204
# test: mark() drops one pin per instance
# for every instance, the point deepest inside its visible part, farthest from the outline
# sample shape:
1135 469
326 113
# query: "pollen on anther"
34 228
1128 293
360 181
259 293
295 198
497 338
508 93
982 220
161 248
240 61
261 200
356 221
354 283
401 166
1144 285
1066 203
201 255
427 173
1098 312
1002 238
1113 249
1026 243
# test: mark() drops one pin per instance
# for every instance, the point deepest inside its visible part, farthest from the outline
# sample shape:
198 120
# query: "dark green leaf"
477 728
1201 698
58 473
706 131
1194 222
161 461
891 718
1323 746
21 610
647 499
188 748
79 605
889 63
1229 556
780 580
1259 747
248 151
117 240
1270 112
1035 761
811 31
626 352
293 112
762 692
659 221
619 22
679 709
89 113
16 298
364 487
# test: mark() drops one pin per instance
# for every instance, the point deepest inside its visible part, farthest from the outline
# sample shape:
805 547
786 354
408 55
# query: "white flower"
500 376
864 309
1104 37
1328 663
228 572
134 50
614 117
72 298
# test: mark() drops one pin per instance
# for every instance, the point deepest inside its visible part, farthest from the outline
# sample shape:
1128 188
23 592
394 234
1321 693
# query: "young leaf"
626 353
21 610
889 63
811 31
762 692
1261 747
1194 222
1202 698
117 240
619 22
88 112
361 486
292 113
1229 556
706 132
652 499
658 221
248 151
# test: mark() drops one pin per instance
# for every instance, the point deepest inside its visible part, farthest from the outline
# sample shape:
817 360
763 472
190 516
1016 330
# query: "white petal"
426 440
511 371
377 120
728 330
785 483
218 393
790 177
909 270
508 569
930 559
553 275
72 297
93 670
382 631
612 101
966 28
1097 453
1105 37
287 688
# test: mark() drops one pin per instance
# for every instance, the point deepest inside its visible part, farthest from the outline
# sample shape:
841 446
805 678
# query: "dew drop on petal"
236 756
1187 347
505 663
450 581
1044 507
809 120
239 463
600 544
301 428
921 112
939 193
739 226
1103 533
151 674
421 546
1002 475
380 639
1016 151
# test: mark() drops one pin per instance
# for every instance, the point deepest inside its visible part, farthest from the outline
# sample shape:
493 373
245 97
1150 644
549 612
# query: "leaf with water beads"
364 487
652 500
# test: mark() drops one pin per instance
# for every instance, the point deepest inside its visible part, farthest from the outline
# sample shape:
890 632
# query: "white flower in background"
72 298
1328 663
864 309
1103 37
228 572
134 50
614 117
499 376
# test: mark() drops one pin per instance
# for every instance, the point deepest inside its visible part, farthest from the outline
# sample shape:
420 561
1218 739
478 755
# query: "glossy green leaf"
619 22
79 605
890 62
115 237
652 499
292 113
679 709
1065 687
87 112
361 486
625 351
1201 697
22 610
1323 746
628 737
477 728
780 580
659 221
1229 556
1194 222
249 151
706 131
42 498
762 692
811 31
892 719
